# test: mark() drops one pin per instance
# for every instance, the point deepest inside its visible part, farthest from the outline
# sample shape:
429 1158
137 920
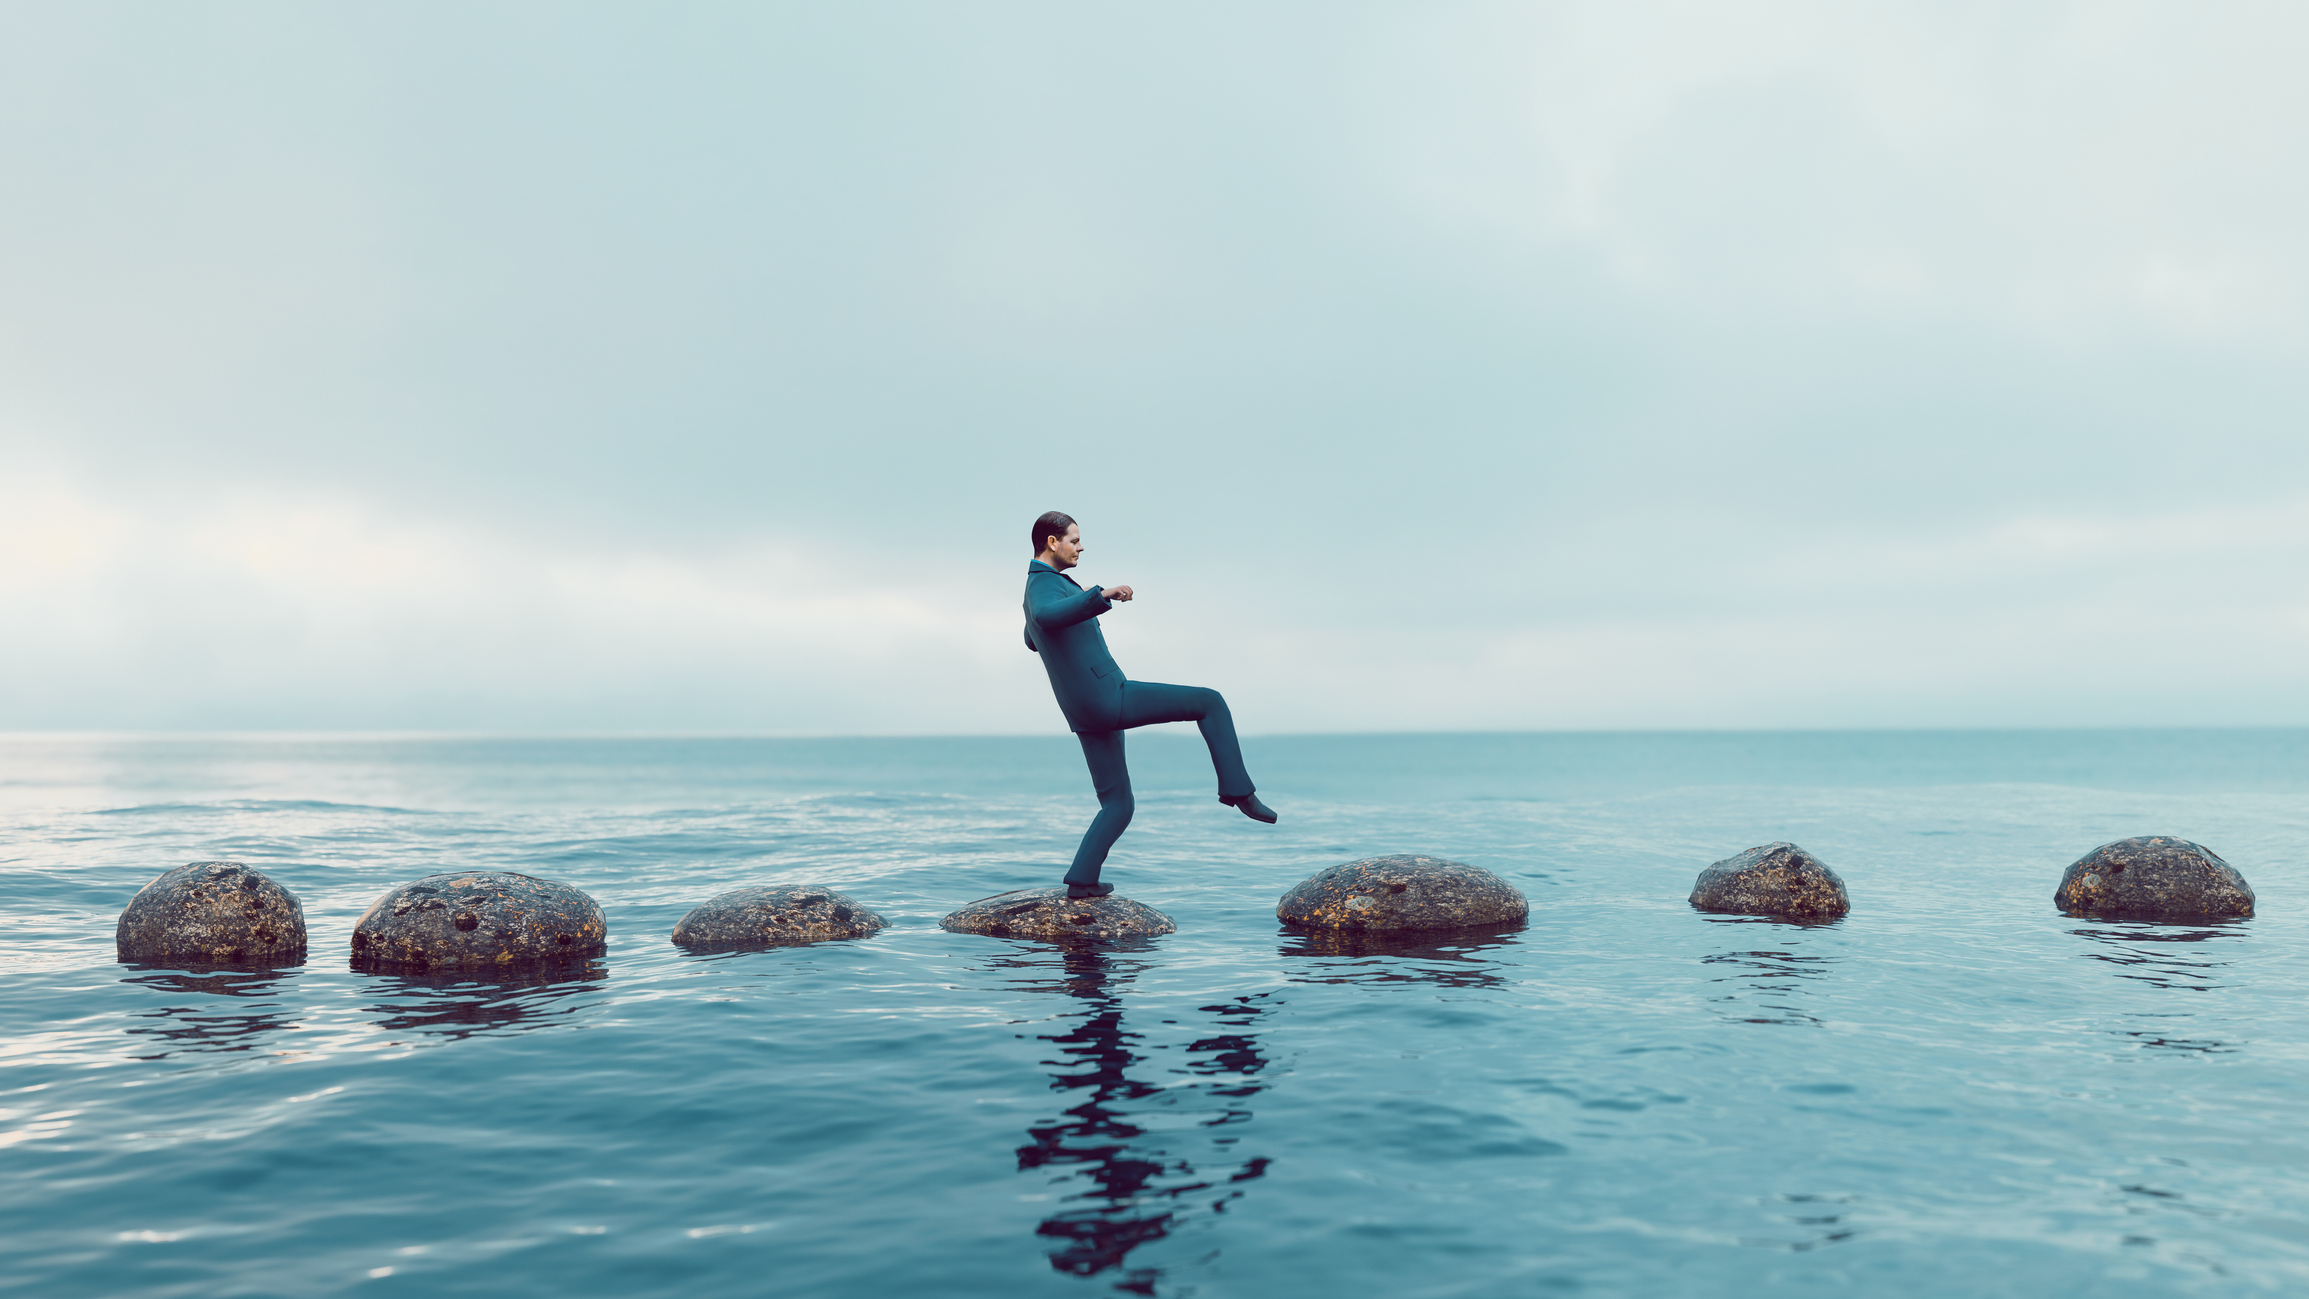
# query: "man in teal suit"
1100 704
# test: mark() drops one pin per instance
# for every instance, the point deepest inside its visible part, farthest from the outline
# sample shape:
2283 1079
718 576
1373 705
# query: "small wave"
259 805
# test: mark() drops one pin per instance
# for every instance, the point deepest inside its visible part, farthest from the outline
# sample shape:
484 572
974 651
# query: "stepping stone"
1388 894
2154 878
1048 913
785 915
478 920
1777 879
212 913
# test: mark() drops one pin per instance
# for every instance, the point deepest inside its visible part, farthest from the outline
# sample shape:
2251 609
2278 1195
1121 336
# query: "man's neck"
1053 561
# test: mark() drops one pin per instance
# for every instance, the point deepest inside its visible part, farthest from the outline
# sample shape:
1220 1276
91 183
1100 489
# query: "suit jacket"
1062 626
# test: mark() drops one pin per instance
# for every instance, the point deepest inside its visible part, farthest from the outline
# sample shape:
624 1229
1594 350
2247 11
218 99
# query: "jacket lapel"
1038 564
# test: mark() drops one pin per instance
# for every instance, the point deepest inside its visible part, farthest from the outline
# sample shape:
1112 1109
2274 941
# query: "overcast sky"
567 367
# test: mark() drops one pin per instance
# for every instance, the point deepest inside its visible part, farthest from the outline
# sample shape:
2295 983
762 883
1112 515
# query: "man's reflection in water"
1455 960
240 1023
455 1006
1139 1187
2170 958
1767 983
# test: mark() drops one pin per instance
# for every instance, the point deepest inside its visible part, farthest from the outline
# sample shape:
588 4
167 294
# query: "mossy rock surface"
1776 879
479 920
785 915
1401 894
212 913
1047 913
2156 877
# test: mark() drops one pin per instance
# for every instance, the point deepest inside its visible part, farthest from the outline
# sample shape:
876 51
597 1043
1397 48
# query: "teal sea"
1955 1090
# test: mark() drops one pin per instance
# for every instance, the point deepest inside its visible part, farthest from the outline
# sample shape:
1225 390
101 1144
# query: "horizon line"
417 734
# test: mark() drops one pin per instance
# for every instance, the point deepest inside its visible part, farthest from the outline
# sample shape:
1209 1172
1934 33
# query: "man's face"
1067 550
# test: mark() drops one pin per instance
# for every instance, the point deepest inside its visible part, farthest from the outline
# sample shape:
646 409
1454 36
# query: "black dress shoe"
1077 892
1251 807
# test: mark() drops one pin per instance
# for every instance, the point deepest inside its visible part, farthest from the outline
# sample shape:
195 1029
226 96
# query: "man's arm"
1051 610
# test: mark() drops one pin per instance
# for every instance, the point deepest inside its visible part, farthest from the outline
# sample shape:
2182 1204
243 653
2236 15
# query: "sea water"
1955 1090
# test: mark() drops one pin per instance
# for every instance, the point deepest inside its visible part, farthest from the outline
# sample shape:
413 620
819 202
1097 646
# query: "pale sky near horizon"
585 367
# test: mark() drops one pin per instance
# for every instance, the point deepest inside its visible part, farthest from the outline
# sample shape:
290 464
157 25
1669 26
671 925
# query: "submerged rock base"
2154 878
1048 913
776 916
1777 879
212 913
478 920
1401 894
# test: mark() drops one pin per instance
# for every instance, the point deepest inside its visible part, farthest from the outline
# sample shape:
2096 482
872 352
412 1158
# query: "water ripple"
1951 1090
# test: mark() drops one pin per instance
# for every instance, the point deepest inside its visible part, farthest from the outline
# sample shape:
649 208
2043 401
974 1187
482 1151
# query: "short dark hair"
1051 524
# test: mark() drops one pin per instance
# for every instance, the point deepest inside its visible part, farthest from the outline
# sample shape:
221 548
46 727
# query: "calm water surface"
1953 1091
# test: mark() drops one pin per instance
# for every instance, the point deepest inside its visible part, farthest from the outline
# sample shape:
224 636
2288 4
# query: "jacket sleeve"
1052 610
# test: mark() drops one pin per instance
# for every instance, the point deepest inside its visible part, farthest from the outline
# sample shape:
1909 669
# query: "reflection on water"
1129 1185
191 1026
1455 959
2171 958
1767 984
2147 953
1819 1220
461 1006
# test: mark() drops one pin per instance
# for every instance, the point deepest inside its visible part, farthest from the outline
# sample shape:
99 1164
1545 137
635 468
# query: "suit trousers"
1150 703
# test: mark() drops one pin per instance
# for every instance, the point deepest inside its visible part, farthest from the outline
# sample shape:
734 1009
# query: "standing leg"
1110 776
1147 703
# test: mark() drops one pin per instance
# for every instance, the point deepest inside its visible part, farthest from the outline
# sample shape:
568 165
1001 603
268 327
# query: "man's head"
1057 541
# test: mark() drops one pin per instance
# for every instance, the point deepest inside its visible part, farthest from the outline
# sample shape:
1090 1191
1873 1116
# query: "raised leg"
1110 776
1148 703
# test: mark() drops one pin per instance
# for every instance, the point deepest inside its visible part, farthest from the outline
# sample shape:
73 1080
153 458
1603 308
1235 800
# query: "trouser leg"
1110 776
1146 703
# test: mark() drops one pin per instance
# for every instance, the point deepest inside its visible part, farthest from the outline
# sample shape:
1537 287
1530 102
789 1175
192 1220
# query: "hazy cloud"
457 366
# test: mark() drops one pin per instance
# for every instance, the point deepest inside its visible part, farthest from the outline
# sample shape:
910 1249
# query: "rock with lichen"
1777 879
212 913
478 920
1047 913
1401 893
2156 877
776 916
